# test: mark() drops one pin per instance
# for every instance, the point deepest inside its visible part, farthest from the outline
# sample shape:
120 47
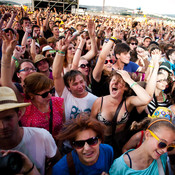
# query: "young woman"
89 155
151 156
114 109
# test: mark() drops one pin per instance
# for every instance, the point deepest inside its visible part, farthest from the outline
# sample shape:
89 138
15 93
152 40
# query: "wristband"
133 84
150 66
59 51
79 49
29 170
16 61
114 38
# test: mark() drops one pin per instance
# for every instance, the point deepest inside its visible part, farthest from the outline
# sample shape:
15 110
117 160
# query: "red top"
35 118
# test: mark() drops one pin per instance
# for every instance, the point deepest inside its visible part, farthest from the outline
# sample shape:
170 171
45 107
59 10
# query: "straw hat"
40 57
8 99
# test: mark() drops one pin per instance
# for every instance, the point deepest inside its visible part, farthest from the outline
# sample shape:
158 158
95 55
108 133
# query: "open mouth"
88 154
114 89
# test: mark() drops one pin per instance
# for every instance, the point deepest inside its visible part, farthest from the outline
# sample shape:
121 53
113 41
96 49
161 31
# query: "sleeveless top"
124 118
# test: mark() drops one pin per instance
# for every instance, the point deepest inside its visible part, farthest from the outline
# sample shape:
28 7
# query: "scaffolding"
65 6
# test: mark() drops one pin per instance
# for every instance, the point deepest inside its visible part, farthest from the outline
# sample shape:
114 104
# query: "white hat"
46 48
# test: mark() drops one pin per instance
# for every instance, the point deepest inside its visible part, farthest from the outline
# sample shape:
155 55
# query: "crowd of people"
83 94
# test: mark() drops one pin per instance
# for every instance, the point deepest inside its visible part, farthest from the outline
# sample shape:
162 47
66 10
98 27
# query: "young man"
122 55
55 31
146 41
35 143
71 88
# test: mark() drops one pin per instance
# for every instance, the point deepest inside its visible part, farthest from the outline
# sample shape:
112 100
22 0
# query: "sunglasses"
133 44
109 61
45 94
51 55
84 66
80 143
27 69
162 143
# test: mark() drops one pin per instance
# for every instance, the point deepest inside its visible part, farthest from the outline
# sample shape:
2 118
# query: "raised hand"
9 42
124 74
19 51
91 27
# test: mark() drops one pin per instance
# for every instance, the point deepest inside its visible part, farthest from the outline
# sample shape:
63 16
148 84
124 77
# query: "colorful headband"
159 121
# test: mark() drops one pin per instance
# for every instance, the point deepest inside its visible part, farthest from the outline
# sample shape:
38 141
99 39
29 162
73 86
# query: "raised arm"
8 47
91 30
141 98
14 13
78 52
26 34
102 57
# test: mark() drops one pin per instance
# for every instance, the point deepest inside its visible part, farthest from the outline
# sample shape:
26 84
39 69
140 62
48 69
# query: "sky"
147 6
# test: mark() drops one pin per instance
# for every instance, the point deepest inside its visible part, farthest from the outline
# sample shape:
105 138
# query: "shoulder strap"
101 103
130 161
115 117
51 116
160 167
141 139
70 163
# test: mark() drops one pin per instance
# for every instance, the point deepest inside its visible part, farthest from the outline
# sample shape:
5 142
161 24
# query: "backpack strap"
70 163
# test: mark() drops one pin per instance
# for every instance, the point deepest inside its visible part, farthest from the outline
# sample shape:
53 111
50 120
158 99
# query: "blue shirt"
131 67
119 167
103 163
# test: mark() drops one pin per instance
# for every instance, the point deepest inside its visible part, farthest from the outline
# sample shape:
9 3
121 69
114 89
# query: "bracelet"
61 54
15 58
59 51
150 66
79 49
133 84
29 169
114 38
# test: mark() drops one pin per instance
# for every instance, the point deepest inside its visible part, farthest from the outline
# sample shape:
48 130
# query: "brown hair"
36 82
83 122
70 76
152 124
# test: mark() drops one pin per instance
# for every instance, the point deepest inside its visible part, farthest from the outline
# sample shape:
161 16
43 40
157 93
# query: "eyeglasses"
162 143
162 80
45 94
80 143
133 44
27 69
84 66
109 61
51 55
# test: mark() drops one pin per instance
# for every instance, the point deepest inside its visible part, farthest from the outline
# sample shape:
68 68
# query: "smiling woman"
89 155
151 156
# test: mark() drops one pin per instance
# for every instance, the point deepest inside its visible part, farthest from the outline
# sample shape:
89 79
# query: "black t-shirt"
48 34
100 88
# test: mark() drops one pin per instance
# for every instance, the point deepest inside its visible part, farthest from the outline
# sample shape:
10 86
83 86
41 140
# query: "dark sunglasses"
51 55
109 61
80 143
161 143
45 94
133 44
84 66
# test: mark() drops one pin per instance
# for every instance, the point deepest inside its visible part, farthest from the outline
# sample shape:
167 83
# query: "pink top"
35 118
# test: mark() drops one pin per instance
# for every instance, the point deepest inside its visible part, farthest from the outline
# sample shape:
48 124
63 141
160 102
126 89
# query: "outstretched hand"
9 42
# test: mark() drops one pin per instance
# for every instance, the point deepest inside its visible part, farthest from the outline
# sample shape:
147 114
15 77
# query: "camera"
10 164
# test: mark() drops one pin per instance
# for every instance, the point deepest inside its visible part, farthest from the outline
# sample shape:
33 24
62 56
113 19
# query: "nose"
86 146
2 125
